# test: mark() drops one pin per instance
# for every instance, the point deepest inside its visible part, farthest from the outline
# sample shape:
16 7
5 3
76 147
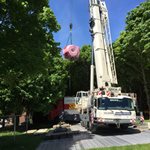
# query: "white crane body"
99 47
104 104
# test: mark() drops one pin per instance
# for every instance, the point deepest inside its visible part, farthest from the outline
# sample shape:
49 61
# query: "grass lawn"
132 147
147 120
22 141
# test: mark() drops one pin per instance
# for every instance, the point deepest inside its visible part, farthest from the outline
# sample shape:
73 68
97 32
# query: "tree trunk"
3 123
17 121
139 98
146 89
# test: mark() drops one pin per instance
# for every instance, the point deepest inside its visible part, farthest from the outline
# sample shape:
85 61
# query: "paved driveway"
103 138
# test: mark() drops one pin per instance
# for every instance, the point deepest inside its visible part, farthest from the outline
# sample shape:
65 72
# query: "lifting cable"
69 41
71 51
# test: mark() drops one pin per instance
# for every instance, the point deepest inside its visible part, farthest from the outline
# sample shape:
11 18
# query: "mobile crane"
104 105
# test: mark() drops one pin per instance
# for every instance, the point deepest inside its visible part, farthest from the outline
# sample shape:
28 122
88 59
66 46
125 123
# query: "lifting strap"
69 41
71 51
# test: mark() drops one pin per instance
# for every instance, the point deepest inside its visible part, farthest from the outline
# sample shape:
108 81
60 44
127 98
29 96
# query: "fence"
15 123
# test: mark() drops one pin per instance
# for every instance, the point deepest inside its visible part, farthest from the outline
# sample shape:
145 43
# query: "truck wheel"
124 127
86 125
92 128
82 124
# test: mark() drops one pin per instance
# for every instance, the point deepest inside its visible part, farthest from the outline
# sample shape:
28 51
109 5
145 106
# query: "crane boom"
104 105
103 52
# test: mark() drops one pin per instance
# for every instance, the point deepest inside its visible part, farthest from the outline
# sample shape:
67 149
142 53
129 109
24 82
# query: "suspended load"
71 52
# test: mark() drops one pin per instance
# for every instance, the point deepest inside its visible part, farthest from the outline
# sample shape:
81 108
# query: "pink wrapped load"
71 52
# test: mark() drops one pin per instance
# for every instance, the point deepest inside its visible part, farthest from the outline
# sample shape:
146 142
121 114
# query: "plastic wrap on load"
71 52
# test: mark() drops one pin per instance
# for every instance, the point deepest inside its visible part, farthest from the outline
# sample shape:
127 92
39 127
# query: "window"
115 103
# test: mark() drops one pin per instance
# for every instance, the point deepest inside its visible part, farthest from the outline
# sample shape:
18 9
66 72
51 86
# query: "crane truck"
105 104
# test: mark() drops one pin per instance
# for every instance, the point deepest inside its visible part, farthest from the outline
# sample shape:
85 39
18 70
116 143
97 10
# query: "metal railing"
15 123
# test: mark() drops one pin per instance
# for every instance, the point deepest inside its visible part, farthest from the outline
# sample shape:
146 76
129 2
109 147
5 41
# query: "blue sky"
78 12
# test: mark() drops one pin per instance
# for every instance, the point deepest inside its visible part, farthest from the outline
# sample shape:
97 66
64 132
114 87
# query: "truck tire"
82 123
92 128
124 127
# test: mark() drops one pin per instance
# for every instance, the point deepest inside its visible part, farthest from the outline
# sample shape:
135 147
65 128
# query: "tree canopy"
132 50
25 33
33 72
79 72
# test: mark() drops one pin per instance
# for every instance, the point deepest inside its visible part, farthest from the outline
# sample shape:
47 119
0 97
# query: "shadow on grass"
23 128
20 141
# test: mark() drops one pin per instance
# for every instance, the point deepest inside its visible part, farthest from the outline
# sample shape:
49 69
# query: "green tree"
79 72
25 31
33 71
37 93
133 51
